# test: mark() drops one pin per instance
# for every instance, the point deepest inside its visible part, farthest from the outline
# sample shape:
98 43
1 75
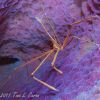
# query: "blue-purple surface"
22 37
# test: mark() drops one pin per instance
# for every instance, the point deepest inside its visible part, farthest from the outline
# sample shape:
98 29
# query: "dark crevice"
5 60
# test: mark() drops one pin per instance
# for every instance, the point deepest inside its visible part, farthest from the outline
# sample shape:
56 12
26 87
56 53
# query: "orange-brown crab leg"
84 19
40 81
53 62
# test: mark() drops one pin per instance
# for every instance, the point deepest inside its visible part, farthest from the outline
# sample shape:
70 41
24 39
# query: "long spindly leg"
40 81
40 21
53 62
84 19
23 65
74 23
41 63
54 33
36 58
45 84
98 46
66 40
33 59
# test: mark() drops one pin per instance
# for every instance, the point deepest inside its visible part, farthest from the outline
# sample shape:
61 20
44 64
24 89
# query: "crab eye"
5 60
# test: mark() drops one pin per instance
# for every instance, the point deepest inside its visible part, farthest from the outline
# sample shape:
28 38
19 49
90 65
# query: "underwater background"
22 38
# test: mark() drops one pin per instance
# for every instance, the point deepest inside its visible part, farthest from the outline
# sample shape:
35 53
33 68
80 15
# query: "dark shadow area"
5 60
